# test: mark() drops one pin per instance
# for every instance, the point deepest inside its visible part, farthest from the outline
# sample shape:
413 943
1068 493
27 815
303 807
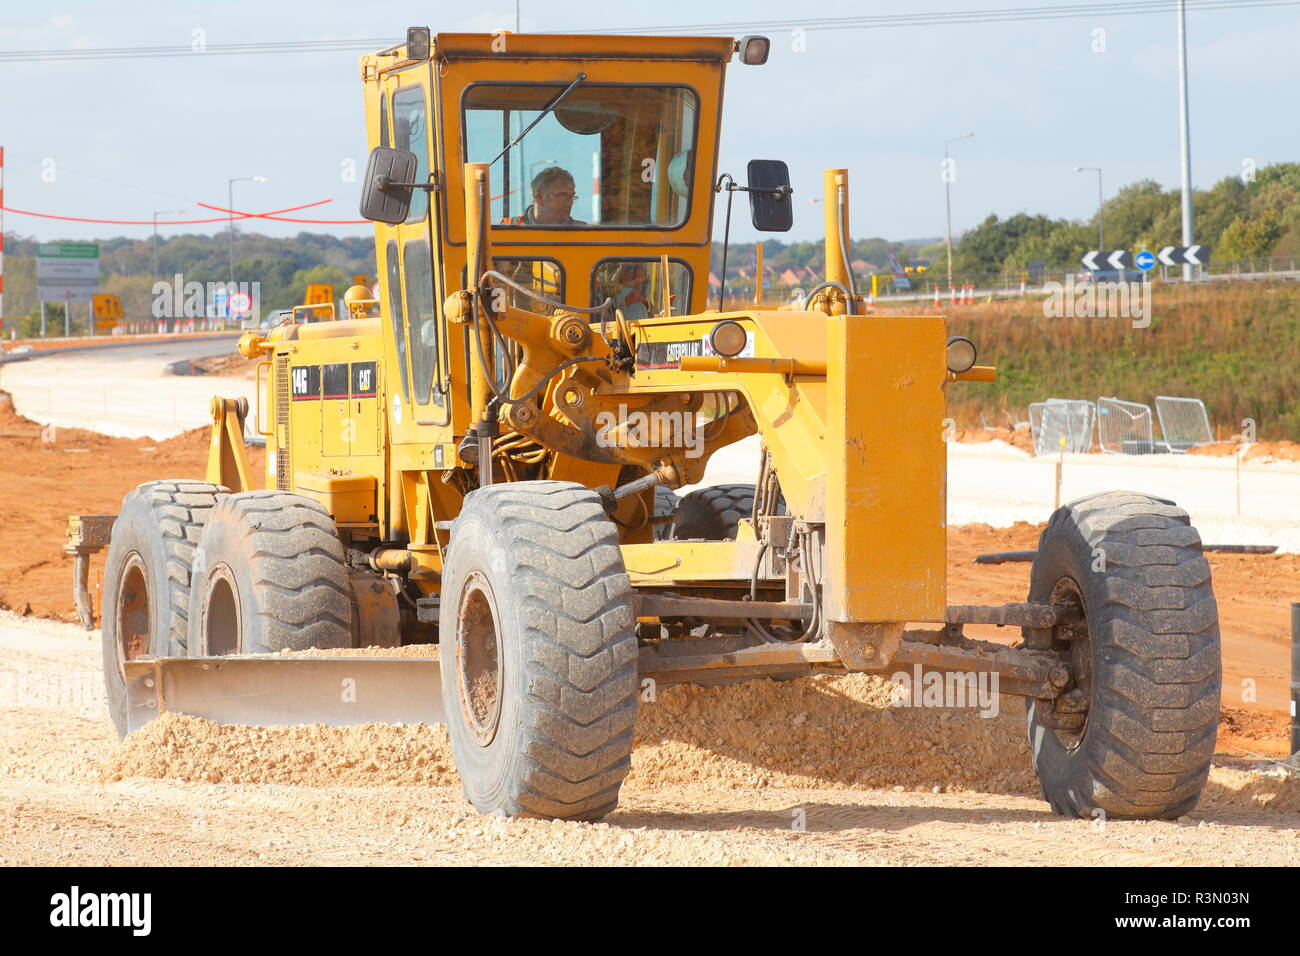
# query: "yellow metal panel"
886 469
336 428
366 435
670 562
348 498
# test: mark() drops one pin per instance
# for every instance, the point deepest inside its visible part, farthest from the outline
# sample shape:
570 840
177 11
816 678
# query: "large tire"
1150 666
713 513
539 651
147 577
270 576
666 501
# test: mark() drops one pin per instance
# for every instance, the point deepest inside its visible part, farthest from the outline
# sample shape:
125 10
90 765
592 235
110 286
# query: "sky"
125 138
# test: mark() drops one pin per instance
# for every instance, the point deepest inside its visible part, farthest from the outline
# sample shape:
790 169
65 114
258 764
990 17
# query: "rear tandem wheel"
270 576
147 577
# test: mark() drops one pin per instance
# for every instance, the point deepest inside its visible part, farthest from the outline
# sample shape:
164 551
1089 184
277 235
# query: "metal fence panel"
1061 418
1184 422
1124 428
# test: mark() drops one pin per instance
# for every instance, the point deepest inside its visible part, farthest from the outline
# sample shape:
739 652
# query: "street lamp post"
1184 134
947 198
230 204
161 212
1101 206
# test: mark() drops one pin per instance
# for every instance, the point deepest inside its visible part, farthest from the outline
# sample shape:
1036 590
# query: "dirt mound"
46 476
11 421
314 755
1019 437
1259 786
826 732
233 365
1255 451
1254 731
193 442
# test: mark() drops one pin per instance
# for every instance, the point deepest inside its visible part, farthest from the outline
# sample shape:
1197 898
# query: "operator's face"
552 206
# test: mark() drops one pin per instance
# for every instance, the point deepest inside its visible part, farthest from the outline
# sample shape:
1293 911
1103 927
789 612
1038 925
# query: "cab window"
543 276
607 156
411 132
393 269
637 286
421 321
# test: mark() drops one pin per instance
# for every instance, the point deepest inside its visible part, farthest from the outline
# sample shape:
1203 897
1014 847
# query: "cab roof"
560 46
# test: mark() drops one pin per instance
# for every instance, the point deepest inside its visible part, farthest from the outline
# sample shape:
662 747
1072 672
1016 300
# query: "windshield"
610 156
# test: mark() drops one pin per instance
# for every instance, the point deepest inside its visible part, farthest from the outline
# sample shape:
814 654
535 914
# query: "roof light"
754 50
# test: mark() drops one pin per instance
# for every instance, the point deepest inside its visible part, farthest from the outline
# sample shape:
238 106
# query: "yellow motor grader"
487 456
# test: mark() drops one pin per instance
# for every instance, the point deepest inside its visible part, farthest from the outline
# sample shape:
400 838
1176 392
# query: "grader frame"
468 371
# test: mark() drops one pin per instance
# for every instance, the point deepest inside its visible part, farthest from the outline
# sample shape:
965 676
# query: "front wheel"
539 651
1133 733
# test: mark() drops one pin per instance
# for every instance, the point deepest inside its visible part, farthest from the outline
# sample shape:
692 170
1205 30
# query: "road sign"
240 303
106 306
1096 260
1184 255
67 271
319 293
68 250
1145 260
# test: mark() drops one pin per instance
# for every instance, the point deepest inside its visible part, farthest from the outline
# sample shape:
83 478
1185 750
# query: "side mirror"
386 193
770 207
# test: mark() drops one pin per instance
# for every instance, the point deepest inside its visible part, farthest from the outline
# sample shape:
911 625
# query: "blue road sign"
1145 261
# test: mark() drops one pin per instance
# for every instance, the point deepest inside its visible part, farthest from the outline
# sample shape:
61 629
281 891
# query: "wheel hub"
478 659
221 613
1067 715
133 625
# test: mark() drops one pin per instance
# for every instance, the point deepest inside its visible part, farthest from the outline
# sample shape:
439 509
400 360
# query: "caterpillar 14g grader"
483 453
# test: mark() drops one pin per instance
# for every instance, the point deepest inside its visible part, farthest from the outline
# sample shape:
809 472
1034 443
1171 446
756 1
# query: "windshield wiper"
542 115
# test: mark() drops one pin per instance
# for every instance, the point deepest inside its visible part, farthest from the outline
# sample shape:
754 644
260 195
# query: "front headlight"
728 338
961 354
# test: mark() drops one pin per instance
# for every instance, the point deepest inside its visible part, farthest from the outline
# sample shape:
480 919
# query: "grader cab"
488 457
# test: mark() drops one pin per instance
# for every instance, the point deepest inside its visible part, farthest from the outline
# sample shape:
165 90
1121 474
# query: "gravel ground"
814 772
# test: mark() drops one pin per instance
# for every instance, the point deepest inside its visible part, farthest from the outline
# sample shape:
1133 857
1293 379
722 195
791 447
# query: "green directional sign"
67 271
68 250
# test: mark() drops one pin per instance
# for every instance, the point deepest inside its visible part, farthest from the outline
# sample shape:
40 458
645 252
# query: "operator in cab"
553 197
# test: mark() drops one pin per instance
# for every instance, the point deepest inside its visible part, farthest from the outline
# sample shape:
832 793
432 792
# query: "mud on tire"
1152 630
270 576
539 651
147 577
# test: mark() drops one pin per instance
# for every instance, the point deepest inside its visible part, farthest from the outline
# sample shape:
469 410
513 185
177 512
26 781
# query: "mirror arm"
782 192
383 182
